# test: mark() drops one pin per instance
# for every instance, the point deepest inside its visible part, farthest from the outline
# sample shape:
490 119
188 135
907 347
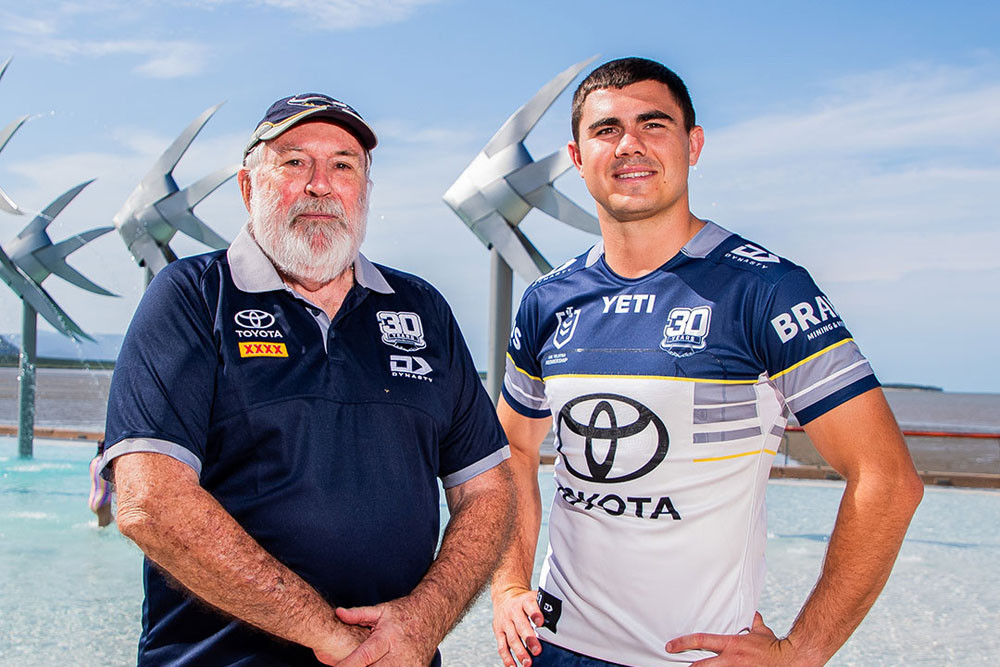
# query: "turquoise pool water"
70 592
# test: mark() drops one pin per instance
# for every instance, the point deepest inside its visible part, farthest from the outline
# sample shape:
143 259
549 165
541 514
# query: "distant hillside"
7 349
55 346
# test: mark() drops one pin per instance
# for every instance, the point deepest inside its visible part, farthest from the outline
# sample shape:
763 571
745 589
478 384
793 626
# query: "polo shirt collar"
252 271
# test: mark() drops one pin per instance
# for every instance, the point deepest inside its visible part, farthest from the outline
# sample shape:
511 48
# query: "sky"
860 140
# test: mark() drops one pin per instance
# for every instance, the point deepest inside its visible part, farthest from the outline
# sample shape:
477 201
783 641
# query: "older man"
278 420
669 358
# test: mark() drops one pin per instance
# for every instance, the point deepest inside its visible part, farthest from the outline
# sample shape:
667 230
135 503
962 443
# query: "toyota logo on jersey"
622 439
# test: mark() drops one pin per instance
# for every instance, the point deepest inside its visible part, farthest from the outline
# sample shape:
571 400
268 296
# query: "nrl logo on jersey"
567 326
401 330
686 330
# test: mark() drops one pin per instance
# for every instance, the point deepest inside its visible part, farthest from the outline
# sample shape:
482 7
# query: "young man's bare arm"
187 533
515 606
861 440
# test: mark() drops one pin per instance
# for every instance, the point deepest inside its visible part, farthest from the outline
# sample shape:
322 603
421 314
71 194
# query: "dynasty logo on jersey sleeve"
567 326
686 330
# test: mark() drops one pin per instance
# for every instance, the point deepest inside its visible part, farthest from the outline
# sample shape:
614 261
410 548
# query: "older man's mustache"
330 207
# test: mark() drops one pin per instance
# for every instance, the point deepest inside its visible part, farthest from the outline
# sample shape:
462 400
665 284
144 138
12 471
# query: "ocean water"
70 593
73 398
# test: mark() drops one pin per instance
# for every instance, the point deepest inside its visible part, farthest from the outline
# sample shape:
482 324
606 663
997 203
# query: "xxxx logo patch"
263 350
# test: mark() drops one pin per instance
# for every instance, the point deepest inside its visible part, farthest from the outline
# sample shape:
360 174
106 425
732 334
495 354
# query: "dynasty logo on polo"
612 439
415 368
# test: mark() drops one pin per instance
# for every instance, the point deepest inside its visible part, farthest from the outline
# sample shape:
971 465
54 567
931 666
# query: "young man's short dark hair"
624 72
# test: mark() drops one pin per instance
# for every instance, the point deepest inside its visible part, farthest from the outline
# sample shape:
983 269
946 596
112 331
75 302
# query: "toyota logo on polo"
254 319
624 425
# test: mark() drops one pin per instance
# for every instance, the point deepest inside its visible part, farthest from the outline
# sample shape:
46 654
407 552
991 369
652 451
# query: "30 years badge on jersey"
686 330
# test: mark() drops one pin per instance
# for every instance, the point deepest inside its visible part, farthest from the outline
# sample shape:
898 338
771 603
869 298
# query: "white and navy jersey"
669 396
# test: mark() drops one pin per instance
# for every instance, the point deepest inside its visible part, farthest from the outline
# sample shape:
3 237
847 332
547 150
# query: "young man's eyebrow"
654 115
610 120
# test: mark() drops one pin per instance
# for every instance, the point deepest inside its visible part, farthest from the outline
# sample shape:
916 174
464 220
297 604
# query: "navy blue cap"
289 111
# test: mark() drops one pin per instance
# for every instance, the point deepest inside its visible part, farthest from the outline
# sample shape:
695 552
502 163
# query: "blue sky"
858 139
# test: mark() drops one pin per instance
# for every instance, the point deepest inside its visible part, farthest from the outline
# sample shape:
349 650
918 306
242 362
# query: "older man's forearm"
477 533
188 534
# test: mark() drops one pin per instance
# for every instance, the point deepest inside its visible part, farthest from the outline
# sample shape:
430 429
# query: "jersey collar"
252 271
701 244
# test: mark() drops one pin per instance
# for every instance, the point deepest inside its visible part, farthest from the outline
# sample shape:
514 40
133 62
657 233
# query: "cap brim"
360 129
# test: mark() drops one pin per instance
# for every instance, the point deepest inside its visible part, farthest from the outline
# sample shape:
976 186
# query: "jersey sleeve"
162 389
523 387
475 441
808 352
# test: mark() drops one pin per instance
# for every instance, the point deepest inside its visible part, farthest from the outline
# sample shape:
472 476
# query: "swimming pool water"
70 593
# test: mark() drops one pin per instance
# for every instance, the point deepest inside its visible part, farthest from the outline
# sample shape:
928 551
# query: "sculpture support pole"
501 288
26 384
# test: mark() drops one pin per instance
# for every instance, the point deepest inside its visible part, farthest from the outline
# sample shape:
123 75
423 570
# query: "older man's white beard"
307 250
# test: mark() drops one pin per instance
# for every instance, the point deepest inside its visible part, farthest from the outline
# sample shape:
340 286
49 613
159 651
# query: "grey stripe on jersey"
726 436
526 389
832 370
718 394
725 413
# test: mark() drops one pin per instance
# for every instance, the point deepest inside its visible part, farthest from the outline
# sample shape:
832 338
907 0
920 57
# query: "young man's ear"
696 141
574 155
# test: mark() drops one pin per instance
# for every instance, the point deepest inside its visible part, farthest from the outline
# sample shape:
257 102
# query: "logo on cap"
319 101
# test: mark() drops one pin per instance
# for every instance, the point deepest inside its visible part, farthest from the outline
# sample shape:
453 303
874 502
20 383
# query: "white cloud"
346 14
890 173
160 59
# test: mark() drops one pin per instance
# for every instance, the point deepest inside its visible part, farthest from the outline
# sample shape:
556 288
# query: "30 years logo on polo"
256 324
686 330
567 326
402 330
617 425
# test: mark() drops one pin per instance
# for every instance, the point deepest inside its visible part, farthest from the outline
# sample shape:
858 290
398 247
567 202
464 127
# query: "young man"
667 359
279 418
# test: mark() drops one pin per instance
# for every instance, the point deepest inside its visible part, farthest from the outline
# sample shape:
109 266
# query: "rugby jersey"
669 395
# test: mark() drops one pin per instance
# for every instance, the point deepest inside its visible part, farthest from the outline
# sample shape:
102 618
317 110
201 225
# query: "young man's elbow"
911 491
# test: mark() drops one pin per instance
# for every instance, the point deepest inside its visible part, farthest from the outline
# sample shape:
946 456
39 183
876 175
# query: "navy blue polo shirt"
324 440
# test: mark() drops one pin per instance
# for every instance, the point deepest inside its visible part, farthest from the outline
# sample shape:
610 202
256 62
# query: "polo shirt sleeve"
475 441
808 352
523 387
163 385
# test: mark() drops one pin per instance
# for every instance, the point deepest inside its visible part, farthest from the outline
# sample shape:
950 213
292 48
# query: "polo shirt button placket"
334 353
